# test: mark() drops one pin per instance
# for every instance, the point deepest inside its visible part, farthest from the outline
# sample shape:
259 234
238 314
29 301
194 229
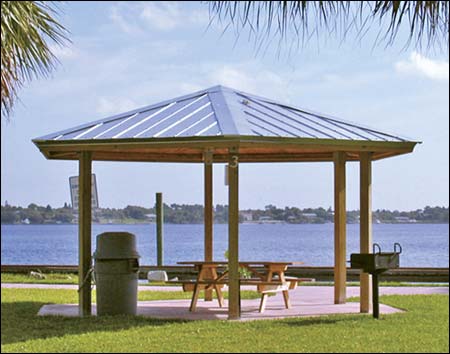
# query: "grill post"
376 263
375 294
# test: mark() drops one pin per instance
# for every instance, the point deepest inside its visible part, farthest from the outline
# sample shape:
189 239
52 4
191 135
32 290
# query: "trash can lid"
116 245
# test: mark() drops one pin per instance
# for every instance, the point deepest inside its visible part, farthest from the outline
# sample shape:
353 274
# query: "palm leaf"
426 21
26 28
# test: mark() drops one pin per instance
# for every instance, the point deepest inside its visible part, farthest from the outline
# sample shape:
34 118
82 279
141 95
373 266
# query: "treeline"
321 215
193 214
174 214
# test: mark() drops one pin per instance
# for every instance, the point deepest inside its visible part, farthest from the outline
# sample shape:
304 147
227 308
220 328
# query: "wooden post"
159 229
208 214
365 226
84 232
340 270
233 236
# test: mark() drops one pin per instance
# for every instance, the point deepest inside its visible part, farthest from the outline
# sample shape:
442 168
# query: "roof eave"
189 149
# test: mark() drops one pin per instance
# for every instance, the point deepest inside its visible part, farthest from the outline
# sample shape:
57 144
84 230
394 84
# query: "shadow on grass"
322 320
20 323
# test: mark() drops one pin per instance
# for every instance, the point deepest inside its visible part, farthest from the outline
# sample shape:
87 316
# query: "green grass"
382 283
422 328
61 278
58 278
50 278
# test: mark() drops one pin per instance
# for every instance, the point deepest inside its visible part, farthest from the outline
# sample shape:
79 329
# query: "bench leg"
287 303
194 298
262 305
219 295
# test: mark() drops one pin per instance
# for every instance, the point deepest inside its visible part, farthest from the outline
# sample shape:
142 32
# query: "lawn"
422 328
62 278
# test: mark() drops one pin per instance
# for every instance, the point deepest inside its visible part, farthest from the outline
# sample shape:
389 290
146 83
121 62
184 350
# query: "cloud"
137 17
63 52
418 64
249 77
163 16
117 15
110 106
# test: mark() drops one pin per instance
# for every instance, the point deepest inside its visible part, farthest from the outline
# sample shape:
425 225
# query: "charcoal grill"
376 263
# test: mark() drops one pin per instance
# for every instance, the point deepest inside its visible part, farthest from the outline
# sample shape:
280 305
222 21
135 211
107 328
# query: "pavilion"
218 125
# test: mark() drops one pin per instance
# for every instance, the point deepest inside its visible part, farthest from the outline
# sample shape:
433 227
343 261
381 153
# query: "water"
424 245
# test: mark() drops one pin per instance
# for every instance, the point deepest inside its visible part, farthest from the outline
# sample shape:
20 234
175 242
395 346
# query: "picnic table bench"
272 280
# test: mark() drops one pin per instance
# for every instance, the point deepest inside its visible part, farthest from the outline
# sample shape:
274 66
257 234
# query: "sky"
125 55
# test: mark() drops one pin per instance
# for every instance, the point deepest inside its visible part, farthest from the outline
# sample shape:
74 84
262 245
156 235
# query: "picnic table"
214 275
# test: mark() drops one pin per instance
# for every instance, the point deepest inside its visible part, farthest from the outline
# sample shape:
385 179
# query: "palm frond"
426 21
26 29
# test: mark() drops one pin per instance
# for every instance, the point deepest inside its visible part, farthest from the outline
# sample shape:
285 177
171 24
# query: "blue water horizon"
424 245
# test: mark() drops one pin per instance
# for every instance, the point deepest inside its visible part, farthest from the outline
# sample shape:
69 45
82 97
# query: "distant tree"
9 217
33 206
34 216
135 212
64 215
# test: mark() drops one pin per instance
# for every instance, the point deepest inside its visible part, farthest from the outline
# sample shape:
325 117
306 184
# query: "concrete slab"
306 301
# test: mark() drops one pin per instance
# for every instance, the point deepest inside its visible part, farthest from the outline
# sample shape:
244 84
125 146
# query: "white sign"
73 182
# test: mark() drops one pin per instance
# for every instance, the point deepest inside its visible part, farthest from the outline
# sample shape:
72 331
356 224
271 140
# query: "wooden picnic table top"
240 262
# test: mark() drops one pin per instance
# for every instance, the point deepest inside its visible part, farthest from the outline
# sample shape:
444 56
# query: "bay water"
424 245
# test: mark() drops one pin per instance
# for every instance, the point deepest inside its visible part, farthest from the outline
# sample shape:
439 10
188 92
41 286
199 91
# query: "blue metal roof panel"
221 111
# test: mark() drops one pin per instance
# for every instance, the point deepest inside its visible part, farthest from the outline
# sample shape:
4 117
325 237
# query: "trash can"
116 273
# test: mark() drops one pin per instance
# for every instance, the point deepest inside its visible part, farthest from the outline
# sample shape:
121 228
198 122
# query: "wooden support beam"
233 236
159 229
340 271
208 214
84 233
365 225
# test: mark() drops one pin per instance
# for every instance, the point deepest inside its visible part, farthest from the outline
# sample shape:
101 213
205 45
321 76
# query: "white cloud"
63 52
118 14
164 15
136 17
418 64
110 106
251 78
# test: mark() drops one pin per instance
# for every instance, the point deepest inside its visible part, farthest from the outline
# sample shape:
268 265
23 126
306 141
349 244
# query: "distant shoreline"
266 222
194 214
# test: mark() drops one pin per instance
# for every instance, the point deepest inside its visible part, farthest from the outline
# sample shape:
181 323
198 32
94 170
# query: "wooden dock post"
159 229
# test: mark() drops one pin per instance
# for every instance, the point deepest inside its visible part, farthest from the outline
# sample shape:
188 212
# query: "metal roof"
221 111
219 120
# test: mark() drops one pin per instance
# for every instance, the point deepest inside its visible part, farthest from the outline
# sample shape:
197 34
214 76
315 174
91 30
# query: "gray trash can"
116 273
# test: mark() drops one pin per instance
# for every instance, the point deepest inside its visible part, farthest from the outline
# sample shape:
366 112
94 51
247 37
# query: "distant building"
151 217
246 215
269 220
264 218
404 219
310 215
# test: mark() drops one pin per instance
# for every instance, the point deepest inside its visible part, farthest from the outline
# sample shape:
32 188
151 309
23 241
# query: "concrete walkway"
306 301
351 290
